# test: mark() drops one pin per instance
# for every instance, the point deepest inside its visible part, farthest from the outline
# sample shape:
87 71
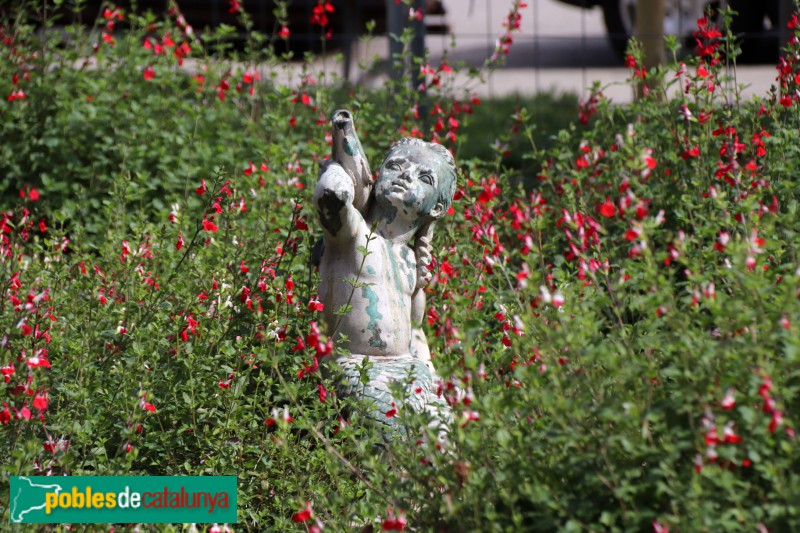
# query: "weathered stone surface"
392 221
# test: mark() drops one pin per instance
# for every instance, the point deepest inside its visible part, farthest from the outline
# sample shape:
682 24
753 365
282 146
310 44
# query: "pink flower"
730 435
728 402
558 299
659 528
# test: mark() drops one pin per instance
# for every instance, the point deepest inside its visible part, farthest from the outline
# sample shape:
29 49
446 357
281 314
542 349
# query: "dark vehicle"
756 23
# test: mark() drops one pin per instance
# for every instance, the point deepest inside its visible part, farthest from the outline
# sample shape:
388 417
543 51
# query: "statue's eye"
427 178
393 166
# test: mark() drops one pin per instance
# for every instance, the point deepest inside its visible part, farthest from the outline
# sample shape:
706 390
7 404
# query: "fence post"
394 29
650 32
786 8
418 43
397 20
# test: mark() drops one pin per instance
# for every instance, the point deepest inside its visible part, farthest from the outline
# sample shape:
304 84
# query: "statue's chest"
392 267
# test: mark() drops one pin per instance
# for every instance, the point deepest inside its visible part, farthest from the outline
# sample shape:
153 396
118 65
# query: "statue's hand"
422 251
346 150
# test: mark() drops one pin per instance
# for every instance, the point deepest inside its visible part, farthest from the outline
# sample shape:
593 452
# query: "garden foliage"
617 329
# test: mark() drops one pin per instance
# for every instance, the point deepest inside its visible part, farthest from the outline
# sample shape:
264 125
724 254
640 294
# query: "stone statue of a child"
394 223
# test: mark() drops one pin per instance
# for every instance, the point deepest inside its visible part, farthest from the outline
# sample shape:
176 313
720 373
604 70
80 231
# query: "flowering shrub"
617 330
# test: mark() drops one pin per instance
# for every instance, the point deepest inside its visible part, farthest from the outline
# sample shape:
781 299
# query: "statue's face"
409 181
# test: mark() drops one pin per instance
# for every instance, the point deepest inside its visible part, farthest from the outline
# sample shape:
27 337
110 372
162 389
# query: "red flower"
303 515
40 401
393 524
149 73
18 95
632 234
692 152
284 33
7 371
209 226
391 412
607 208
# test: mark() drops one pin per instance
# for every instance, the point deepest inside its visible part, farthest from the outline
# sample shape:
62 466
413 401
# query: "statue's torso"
379 322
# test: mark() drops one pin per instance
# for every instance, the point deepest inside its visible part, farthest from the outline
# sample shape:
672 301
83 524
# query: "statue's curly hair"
447 183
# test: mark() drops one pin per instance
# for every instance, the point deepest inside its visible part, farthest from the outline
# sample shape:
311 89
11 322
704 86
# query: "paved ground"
559 48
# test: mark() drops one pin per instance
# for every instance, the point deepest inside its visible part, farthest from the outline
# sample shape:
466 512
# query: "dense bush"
617 330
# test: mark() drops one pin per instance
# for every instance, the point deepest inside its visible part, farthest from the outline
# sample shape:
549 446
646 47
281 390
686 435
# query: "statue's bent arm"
333 198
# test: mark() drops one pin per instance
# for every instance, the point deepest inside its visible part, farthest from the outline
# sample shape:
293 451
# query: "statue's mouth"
399 185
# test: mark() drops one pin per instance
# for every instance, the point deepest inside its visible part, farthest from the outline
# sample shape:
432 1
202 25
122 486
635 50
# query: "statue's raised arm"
343 190
347 152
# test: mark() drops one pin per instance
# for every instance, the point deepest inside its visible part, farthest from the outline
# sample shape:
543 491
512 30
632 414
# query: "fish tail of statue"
383 405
